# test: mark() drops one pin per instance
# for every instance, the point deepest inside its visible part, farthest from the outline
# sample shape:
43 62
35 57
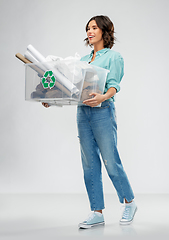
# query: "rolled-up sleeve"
116 67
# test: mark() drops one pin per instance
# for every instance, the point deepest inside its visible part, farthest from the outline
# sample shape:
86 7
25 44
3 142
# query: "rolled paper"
60 77
30 57
22 58
41 72
37 55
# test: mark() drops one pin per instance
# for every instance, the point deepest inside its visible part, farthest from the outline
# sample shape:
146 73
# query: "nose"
89 32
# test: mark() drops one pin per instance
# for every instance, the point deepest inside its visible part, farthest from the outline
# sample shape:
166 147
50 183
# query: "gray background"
39 147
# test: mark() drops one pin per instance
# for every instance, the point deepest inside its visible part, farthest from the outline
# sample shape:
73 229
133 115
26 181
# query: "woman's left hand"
96 100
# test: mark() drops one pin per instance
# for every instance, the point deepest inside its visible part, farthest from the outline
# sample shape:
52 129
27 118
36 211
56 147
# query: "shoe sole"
85 226
129 222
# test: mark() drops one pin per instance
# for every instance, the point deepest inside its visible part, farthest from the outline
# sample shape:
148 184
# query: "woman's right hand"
46 105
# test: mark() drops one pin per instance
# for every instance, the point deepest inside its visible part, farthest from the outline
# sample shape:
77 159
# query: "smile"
90 37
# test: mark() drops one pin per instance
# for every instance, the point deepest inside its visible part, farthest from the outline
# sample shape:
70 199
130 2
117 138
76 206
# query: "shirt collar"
101 52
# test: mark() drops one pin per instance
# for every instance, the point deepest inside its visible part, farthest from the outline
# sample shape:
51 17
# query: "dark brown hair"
107 27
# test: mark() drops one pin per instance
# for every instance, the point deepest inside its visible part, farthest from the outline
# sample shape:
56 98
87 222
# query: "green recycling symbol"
48 75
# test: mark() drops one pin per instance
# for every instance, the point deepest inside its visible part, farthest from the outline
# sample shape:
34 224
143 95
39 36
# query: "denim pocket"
105 104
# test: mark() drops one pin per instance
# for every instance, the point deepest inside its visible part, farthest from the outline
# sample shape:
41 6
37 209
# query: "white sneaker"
128 213
94 219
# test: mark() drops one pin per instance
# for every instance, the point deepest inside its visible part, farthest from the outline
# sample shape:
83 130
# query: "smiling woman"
97 127
105 25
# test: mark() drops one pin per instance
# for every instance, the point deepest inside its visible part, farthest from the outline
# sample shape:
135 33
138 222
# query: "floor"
56 216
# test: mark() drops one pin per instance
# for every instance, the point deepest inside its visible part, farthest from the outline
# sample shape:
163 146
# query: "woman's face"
94 33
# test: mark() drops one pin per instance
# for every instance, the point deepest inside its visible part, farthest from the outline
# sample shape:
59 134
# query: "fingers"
91 102
46 105
93 93
90 99
95 100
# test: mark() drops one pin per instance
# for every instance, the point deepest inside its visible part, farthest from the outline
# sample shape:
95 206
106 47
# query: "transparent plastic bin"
63 82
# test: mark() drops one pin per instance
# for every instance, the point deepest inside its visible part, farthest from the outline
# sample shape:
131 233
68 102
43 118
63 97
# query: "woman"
97 126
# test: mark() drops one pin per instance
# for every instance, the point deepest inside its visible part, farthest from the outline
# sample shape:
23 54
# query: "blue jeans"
97 131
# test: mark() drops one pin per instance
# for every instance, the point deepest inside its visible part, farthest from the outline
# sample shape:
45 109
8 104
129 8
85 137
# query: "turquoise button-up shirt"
111 60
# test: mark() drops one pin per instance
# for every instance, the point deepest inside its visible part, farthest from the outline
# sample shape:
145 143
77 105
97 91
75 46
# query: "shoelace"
90 217
126 213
